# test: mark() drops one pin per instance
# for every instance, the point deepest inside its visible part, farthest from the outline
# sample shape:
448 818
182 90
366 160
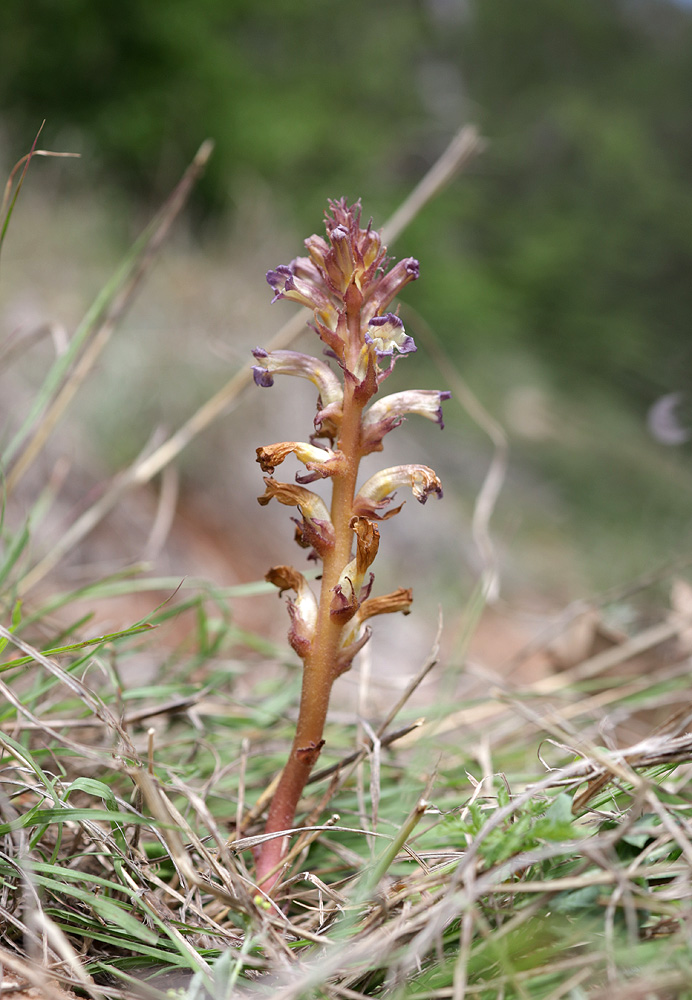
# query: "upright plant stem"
319 670
349 282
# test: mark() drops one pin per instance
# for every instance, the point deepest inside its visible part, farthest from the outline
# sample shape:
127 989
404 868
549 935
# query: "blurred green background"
556 271
573 235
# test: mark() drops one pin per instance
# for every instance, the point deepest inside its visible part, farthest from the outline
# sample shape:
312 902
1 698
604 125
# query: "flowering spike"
349 283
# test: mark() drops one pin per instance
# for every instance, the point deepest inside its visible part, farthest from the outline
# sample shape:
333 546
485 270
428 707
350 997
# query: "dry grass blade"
9 200
493 481
94 704
464 147
354 758
122 297
565 681
64 949
29 976
233 888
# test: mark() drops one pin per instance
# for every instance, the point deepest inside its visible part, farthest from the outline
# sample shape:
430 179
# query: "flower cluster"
343 278
349 284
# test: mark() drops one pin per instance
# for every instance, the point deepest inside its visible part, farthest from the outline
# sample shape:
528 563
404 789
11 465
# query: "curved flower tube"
321 462
331 393
303 611
272 363
388 412
287 285
389 285
376 493
399 600
349 591
317 529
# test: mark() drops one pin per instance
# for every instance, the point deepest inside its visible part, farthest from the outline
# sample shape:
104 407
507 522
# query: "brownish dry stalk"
348 283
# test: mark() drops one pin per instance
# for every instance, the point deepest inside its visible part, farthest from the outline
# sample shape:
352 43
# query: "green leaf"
84 644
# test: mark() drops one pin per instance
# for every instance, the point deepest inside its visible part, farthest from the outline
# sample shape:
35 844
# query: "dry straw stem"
465 145
563 682
173 707
72 683
98 334
420 925
9 200
232 888
30 975
491 487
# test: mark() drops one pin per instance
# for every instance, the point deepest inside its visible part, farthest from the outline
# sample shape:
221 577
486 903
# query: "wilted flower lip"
344 602
287 578
316 530
303 611
367 544
349 591
311 506
322 461
399 600
376 492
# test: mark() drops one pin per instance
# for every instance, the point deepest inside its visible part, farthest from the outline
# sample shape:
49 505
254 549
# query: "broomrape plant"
349 283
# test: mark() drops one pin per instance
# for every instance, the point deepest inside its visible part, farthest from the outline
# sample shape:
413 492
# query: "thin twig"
117 308
489 492
465 145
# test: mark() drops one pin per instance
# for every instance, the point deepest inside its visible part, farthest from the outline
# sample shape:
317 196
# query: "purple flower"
390 284
386 335
287 285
